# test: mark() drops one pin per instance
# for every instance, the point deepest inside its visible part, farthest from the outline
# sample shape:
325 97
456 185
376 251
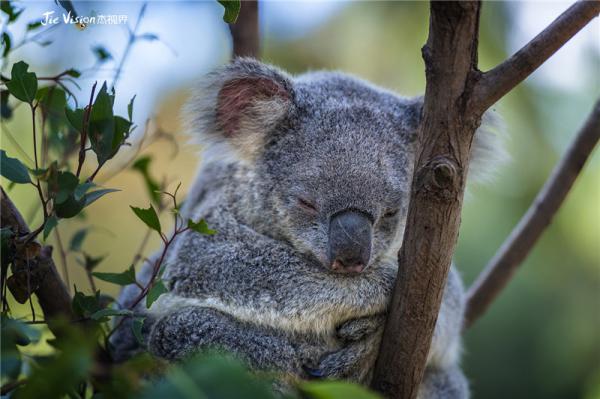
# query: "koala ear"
240 104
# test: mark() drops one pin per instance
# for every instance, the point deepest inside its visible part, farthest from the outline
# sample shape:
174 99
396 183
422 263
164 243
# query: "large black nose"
350 235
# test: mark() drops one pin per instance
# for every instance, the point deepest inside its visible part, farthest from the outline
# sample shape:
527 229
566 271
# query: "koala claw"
313 373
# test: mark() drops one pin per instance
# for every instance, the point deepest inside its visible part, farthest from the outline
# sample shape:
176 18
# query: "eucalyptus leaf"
13 169
124 278
148 216
22 84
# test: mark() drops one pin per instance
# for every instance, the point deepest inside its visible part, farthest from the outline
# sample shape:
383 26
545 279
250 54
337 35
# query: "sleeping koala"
306 179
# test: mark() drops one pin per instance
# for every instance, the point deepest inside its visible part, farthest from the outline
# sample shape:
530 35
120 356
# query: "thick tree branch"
445 136
244 31
539 215
495 83
36 260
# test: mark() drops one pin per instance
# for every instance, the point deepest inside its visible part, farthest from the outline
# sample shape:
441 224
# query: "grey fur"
260 287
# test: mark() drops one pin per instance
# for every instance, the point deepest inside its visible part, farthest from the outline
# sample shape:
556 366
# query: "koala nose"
350 234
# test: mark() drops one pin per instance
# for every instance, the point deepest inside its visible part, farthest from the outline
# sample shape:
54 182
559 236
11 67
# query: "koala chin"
306 180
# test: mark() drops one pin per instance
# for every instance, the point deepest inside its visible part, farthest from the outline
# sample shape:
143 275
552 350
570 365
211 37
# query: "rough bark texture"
445 137
516 247
244 31
34 269
457 94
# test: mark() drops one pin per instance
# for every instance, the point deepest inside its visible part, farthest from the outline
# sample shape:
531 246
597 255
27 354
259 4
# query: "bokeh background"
541 338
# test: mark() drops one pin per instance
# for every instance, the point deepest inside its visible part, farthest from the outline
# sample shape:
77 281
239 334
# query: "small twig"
539 215
132 37
495 83
90 278
11 386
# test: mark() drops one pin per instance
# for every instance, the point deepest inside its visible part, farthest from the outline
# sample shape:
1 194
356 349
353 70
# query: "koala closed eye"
307 205
390 213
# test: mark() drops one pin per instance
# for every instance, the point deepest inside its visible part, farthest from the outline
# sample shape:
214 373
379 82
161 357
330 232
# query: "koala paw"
357 329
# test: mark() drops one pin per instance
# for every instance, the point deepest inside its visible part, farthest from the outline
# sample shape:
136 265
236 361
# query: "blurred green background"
541 338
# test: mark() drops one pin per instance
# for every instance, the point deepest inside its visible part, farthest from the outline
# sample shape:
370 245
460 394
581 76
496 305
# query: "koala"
306 180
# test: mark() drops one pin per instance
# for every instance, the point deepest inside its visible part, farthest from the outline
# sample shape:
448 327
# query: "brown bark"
516 247
456 96
244 31
433 220
34 269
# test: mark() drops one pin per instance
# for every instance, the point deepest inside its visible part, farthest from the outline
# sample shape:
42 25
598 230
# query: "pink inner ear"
237 95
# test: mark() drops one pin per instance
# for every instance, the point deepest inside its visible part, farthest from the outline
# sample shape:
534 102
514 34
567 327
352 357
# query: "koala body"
306 181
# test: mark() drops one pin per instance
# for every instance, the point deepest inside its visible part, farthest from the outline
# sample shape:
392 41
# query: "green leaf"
77 239
201 227
125 278
89 262
121 130
103 313
69 208
86 305
7 7
148 216
50 225
102 125
136 328
90 198
66 183
5 109
33 25
22 84
142 165
101 53
72 72
157 290
336 390
81 189
130 108
75 118
13 169
232 10
6 43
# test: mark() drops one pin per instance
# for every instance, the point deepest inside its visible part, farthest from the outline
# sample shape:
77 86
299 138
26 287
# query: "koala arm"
192 329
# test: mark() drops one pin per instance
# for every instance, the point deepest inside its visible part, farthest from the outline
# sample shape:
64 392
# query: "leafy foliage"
61 174
232 10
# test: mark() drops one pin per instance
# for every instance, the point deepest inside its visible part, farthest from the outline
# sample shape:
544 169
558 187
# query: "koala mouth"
350 236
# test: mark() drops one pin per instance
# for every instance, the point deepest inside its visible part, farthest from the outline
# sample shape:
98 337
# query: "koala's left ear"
240 104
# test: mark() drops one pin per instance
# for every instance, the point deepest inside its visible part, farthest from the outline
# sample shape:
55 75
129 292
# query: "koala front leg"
193 329
354 361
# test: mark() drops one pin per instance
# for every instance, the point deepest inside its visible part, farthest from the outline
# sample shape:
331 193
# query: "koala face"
331 158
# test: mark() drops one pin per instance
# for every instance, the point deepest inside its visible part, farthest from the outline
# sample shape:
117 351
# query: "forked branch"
495 83
539 215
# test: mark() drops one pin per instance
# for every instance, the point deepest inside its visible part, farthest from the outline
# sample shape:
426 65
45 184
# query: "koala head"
330 157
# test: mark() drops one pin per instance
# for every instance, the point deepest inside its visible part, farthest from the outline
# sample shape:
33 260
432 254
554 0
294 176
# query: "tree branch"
495 83
244 31
441 163
539 215
45 282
